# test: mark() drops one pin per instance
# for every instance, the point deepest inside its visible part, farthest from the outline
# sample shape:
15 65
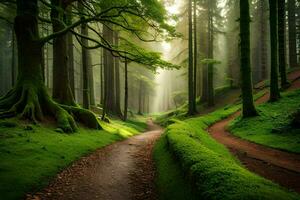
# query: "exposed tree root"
32 102
84 116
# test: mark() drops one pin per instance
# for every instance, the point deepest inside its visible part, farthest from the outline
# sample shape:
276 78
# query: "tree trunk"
292 33
13 64
91 80
140 97
263 41
246 77
61 85
281 42
191 98
117 75
210 68
126 91
274 89
85 69
195 50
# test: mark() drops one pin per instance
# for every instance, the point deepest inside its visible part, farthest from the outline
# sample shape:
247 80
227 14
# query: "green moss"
170 180
30 158
271 127
208 168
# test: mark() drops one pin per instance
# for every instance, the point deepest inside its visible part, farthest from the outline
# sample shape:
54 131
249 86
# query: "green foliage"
208 166
271 127
30 157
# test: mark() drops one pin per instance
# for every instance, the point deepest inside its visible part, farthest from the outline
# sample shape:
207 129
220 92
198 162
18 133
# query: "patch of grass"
30 157
271 127
208 167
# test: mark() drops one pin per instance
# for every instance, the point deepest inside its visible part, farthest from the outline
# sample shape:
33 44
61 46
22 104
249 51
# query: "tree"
246 79
195 49
274 89
126 91
117 76
210 67
292 33
191 102
281 42
62 92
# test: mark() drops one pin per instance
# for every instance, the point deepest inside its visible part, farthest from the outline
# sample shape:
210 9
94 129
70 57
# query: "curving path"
121 171
278 166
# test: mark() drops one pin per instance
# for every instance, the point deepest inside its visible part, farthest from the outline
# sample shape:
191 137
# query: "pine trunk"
274 88
281 43
191 96
246 77
292 33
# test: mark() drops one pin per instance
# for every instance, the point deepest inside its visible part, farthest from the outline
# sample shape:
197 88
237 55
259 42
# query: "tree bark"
274 88
210 68
195 49
117 75
281 41
191 96
292 33
61 85
246 77
126 91
85 69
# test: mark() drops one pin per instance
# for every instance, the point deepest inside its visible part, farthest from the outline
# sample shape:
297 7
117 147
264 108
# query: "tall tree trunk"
274 89
117 75
263 41
70 53
246 77
91 80
281 42
292 33
140 97
101 80
191 98
126 91
110 73
210 68
13 58
61 85
195 49
85 69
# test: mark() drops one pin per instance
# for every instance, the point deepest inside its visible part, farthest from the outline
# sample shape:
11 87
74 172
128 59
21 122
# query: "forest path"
121 171
278 166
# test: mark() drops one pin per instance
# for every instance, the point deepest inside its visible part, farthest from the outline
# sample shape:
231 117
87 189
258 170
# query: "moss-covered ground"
272 126
31 155
191 163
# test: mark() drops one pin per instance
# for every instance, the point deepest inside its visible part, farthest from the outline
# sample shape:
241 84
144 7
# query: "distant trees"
246 79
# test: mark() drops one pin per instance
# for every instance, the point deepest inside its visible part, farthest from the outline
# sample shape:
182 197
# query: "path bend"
278 166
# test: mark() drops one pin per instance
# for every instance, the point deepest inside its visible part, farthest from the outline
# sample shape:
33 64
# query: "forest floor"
123 171
279 166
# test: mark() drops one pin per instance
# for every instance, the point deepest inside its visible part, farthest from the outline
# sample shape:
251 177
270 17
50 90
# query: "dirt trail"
278 166
121 171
